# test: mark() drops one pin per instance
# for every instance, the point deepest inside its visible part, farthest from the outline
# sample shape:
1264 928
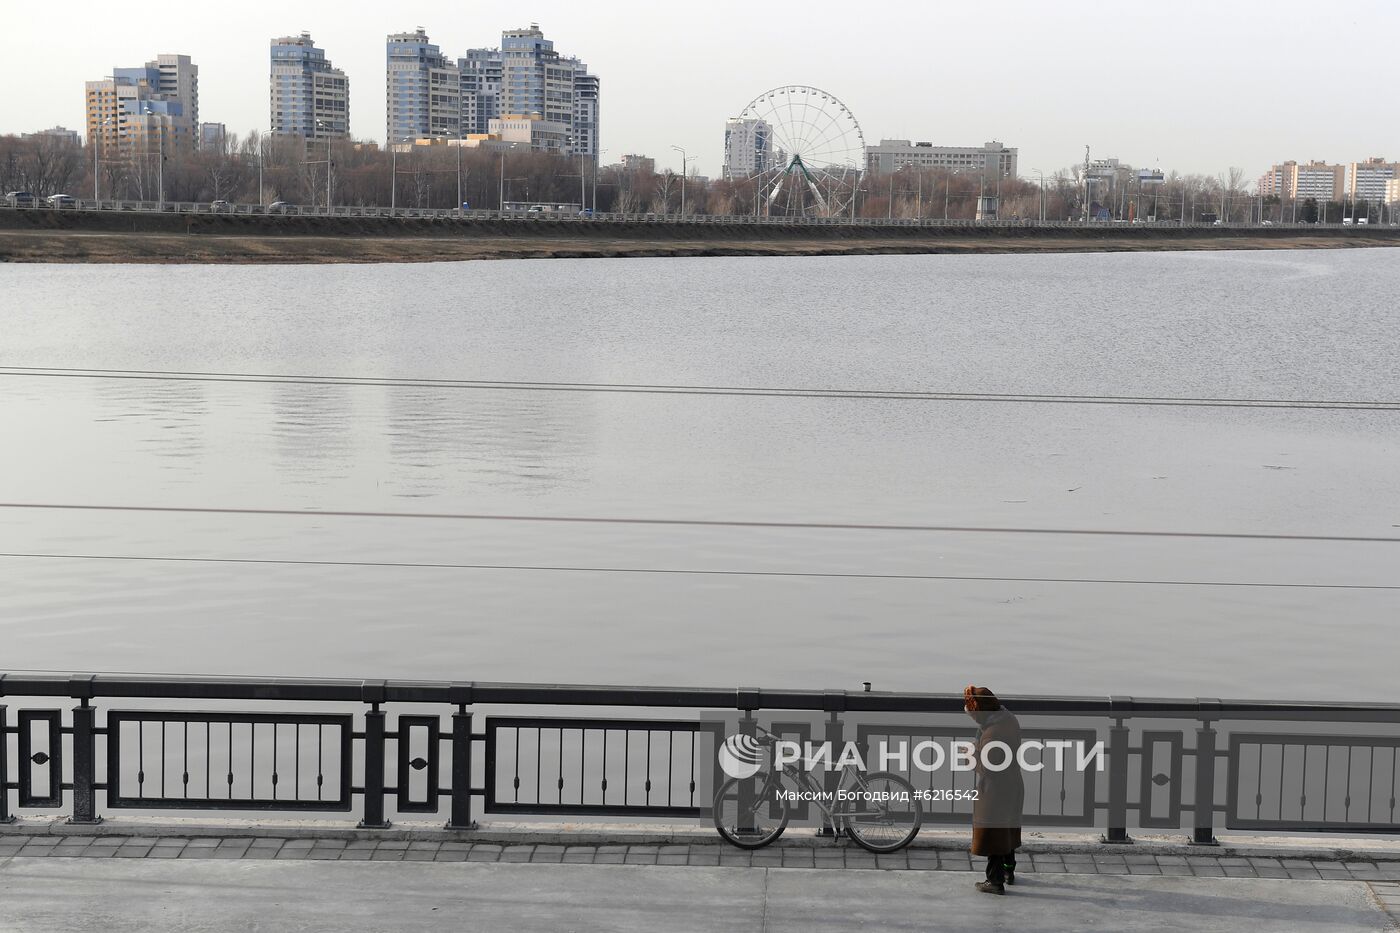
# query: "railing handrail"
153 686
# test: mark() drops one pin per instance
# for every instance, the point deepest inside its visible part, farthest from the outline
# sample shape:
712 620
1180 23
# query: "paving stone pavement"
1384 875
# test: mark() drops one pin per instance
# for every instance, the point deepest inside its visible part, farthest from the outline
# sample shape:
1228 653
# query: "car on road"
19 199
281 207
586 212
59 201
220 206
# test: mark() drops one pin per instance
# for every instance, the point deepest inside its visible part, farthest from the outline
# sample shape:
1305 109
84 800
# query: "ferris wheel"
807 152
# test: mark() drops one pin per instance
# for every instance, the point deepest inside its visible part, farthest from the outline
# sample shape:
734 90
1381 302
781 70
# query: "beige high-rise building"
1293 181
153 106
1367 180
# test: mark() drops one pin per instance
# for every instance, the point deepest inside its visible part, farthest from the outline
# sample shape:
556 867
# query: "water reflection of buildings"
312 429
453 440
171 415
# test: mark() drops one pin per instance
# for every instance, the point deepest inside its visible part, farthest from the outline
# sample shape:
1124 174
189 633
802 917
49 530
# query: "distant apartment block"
423 89
307 95
748 147
1366 181
57 133
527 76
212 137
991 159
1293 181
1392 192
138 110
640 164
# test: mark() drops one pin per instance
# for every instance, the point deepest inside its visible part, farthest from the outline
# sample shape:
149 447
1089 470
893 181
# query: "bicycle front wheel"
886 815
750 816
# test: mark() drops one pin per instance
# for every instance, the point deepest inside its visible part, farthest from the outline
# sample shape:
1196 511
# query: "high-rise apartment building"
146 108
307 95
748 147
1366 181
481 88
423 89
526 76
587 94
1292 181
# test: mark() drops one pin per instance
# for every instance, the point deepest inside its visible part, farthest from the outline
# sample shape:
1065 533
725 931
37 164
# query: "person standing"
996 813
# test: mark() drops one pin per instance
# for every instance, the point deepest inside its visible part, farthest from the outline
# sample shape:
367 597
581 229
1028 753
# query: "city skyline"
673 81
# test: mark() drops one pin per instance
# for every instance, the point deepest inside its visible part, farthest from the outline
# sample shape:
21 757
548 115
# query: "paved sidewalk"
1111 861
188 895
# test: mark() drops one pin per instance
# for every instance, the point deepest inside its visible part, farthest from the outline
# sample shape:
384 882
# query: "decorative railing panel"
634 767
1318 783
228 761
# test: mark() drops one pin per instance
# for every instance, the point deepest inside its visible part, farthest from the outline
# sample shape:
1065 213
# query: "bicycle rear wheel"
886 814
750 816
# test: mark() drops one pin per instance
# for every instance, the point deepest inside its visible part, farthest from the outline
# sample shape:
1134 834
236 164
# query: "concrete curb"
621 834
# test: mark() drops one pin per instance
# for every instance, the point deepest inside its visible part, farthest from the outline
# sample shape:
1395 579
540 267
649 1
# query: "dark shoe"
991 887
1010 876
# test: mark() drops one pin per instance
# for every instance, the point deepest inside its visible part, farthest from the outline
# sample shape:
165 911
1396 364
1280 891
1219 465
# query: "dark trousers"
999 865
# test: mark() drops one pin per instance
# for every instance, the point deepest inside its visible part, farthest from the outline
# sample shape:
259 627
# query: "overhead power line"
662 389
701 523
696 572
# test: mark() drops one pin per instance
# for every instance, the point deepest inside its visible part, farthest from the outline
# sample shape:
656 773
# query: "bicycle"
880 812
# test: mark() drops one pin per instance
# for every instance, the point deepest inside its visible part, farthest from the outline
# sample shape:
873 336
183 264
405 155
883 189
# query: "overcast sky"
1194 85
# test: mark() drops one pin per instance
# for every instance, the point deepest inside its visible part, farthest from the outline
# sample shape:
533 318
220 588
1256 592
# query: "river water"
1299 325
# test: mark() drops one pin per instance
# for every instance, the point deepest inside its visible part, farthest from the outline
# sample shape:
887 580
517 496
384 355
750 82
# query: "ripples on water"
1303 325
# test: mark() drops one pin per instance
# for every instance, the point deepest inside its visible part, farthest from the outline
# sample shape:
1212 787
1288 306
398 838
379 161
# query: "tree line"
262 168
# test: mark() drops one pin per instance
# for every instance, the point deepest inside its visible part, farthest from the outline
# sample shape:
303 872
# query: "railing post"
373 693
1203 829
748 701
1117 832
835 703
5 815
460 816
84 754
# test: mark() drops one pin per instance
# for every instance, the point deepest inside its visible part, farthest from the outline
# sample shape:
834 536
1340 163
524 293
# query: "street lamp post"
93 141
1042 193
683 177
394 171
597 162
328 164
160 165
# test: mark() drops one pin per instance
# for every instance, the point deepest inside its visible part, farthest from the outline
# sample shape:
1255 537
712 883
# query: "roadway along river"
1279 325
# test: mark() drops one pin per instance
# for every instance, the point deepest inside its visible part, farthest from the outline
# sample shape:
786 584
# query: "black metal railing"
153 743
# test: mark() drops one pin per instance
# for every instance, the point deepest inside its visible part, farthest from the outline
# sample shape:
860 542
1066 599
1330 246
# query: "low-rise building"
532 130
991 159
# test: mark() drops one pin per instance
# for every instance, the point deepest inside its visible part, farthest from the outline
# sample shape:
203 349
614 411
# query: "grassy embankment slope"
51 236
